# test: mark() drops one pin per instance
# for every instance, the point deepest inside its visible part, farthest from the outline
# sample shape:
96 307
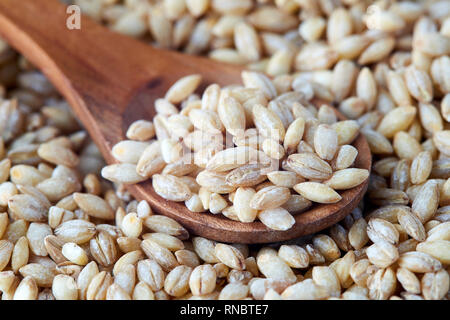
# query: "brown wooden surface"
110 80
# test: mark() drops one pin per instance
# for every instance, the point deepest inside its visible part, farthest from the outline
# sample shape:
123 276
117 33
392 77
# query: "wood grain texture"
110 80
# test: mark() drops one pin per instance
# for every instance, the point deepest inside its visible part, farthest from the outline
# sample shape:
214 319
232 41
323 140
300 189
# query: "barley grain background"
66 233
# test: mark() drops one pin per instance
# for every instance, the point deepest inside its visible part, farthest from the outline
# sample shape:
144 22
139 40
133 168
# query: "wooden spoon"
111 80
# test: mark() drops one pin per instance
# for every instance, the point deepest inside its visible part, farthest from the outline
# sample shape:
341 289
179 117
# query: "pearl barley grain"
74 253
64 288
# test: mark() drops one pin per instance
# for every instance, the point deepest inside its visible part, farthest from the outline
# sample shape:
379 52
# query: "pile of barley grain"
67 234
191 162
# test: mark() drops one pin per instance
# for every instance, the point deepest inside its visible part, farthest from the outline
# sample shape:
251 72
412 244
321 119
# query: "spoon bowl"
111 80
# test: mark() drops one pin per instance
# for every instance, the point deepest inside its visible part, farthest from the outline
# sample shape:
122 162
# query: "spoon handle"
109 79
89 66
